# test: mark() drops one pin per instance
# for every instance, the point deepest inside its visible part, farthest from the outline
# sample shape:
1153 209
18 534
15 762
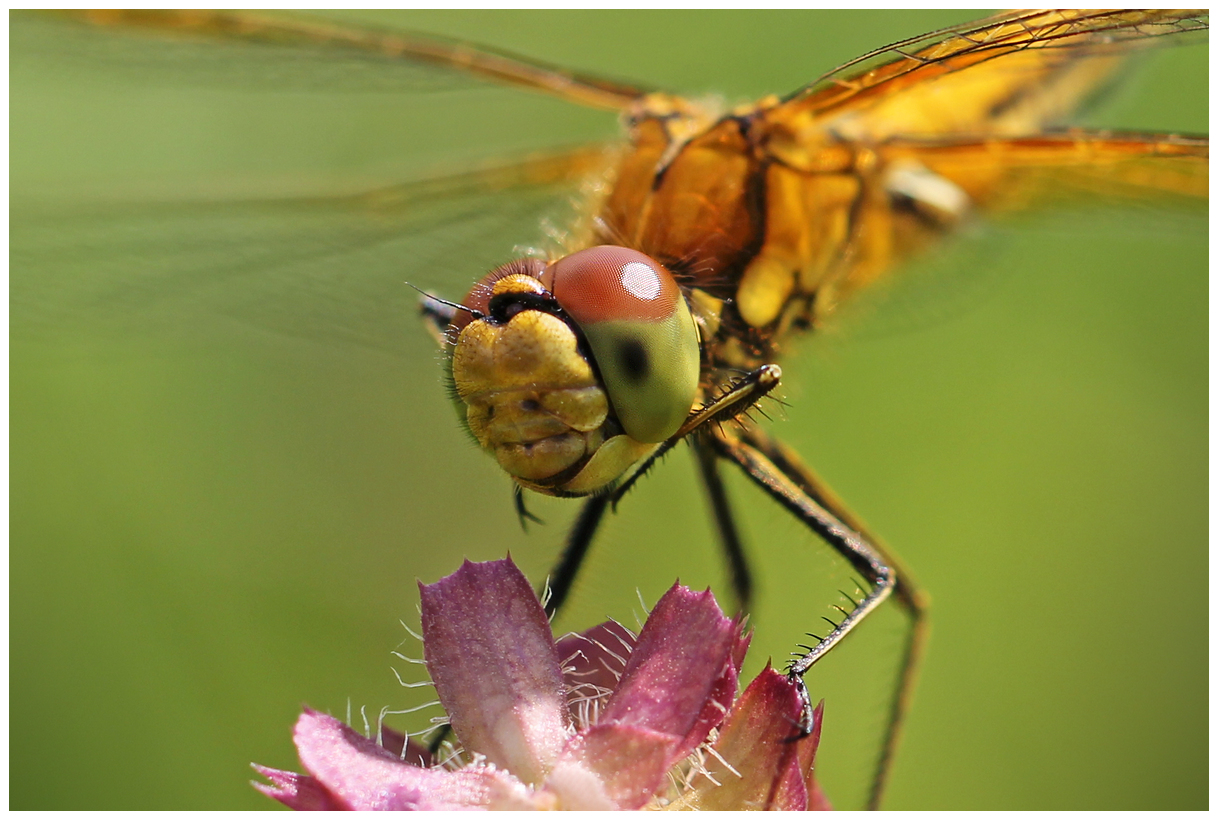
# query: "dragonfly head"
572 371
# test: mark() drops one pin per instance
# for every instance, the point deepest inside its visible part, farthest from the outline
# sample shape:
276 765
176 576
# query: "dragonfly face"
573 371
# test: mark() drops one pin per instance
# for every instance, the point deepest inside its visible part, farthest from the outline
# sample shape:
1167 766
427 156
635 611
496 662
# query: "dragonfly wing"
299 49
1012 74
1013 174
330 267
1000 178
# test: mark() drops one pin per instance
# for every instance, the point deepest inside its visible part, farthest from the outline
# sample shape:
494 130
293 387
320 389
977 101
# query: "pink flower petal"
741 649
807 760
393 742
640 705
296 791
799 787
612 767
761 762
357 774
682 675
492 658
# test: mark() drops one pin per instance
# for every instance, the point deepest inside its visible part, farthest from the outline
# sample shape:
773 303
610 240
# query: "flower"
597 720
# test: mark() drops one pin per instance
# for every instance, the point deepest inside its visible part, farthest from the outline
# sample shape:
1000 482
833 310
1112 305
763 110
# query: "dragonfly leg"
790 487
907 594
522 513
562 577
861 555
729 536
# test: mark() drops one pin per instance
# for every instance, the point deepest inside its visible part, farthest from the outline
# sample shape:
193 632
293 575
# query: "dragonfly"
711 236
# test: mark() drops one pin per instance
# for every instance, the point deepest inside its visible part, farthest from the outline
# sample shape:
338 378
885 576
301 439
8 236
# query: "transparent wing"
989 260
266 193
295 51
1011 74
324 267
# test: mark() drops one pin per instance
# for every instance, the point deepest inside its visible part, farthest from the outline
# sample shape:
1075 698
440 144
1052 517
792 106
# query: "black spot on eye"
632 358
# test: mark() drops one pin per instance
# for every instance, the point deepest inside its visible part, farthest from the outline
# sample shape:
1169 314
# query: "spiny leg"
790 464
729 537
861 555
848 543
906 594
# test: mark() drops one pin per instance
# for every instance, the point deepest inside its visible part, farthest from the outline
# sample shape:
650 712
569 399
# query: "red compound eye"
608 283
641 332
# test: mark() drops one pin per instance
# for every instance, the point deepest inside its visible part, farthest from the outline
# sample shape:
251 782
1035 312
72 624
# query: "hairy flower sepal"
599 720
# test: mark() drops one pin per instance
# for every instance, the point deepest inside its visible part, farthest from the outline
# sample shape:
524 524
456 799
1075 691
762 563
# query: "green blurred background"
231 456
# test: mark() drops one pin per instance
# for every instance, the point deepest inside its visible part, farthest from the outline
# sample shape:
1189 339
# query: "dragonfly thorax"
571 372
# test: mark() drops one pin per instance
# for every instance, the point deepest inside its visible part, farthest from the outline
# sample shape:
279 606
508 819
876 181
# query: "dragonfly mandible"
767 216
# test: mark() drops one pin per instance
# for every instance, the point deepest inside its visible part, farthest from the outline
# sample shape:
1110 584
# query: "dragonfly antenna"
477 314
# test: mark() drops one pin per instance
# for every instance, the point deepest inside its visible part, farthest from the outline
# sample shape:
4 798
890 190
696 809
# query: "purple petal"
592 663
681 677
612 767
762 760
357 774
492 658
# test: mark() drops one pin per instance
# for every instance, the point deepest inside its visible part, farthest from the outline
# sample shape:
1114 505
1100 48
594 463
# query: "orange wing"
1012 74
974 104
1007 174
931 129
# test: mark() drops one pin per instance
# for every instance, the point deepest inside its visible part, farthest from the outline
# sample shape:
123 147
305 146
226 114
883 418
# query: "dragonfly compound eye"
522 366
641 332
